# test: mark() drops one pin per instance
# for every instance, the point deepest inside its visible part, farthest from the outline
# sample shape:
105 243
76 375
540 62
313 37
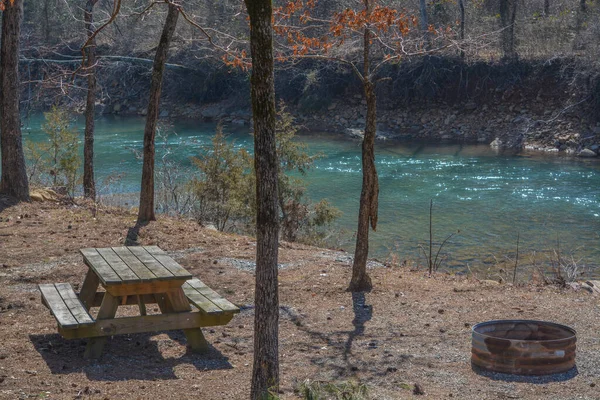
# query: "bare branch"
115 12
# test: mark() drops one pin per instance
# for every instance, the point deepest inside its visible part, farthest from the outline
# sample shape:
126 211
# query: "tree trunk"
546 8
89 184
579 43
265 370
146 211
13 181
367 213
46 11
425 24
508 14
461 8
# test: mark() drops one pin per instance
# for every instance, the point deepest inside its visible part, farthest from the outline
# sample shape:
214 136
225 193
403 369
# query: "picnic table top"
133 265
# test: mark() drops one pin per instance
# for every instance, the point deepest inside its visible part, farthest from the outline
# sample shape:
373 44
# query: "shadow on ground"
7 202
540 379
345 353
124 357
133 234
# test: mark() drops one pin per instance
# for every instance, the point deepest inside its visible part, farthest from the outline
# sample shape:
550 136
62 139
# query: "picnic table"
137 275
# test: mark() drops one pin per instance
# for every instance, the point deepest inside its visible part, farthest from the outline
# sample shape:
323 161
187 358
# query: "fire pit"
523 347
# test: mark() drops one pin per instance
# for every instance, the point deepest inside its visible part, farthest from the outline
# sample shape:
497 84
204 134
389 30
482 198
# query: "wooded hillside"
498 44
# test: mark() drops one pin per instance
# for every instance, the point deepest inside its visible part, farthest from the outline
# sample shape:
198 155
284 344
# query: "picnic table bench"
135 276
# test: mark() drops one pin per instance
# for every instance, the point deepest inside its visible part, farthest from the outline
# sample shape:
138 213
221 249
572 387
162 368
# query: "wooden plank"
115 262
155 286
131 300
107 311
202 303
178 300
58 307
95 261
196 340
141 304
194 336
148 323
89 288
74 304
168 262
213 296
152 264
134 263
163 303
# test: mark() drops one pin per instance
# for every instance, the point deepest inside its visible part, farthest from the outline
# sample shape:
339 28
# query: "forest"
507 74
489 43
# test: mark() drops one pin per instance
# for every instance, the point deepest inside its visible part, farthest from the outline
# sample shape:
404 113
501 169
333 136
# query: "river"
550 202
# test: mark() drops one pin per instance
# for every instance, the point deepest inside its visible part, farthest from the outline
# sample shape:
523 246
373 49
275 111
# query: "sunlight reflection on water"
490 197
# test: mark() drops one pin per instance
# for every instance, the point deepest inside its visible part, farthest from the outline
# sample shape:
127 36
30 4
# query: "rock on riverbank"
506 122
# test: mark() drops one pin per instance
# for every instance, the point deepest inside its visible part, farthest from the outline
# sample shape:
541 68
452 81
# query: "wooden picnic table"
135 275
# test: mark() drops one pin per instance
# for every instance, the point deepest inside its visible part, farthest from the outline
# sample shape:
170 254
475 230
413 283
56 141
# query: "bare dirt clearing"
410 329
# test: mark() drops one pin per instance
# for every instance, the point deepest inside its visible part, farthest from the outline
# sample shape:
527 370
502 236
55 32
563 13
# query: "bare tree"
546 8
369 195
366 40
424 22
508 14
14 176
265 370
461 9
89 184
146 210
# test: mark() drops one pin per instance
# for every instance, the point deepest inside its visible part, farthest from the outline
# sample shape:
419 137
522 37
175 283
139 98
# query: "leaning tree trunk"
265 369
508 14
13 181
367 213
89 184
146 211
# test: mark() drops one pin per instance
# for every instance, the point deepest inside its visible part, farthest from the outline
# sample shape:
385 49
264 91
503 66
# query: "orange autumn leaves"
4 2
343 25
302 34
380 19
236 59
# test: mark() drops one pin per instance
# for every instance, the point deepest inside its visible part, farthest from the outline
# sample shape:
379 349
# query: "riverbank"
539 105
491 197
412 329
543 124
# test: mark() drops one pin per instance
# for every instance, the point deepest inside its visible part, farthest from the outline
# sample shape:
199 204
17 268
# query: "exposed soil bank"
549 105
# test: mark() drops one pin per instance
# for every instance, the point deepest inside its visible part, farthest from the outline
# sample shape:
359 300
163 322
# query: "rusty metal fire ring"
523 347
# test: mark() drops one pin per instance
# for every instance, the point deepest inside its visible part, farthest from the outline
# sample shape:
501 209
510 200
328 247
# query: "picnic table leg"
108 309
141 305
178 302
88 289
163 303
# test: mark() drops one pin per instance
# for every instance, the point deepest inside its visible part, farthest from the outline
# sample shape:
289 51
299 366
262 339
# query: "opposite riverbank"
541 105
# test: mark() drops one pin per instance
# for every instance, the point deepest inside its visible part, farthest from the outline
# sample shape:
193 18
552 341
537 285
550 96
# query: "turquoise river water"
489 197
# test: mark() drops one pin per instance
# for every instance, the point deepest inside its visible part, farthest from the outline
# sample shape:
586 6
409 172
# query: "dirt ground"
411 329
